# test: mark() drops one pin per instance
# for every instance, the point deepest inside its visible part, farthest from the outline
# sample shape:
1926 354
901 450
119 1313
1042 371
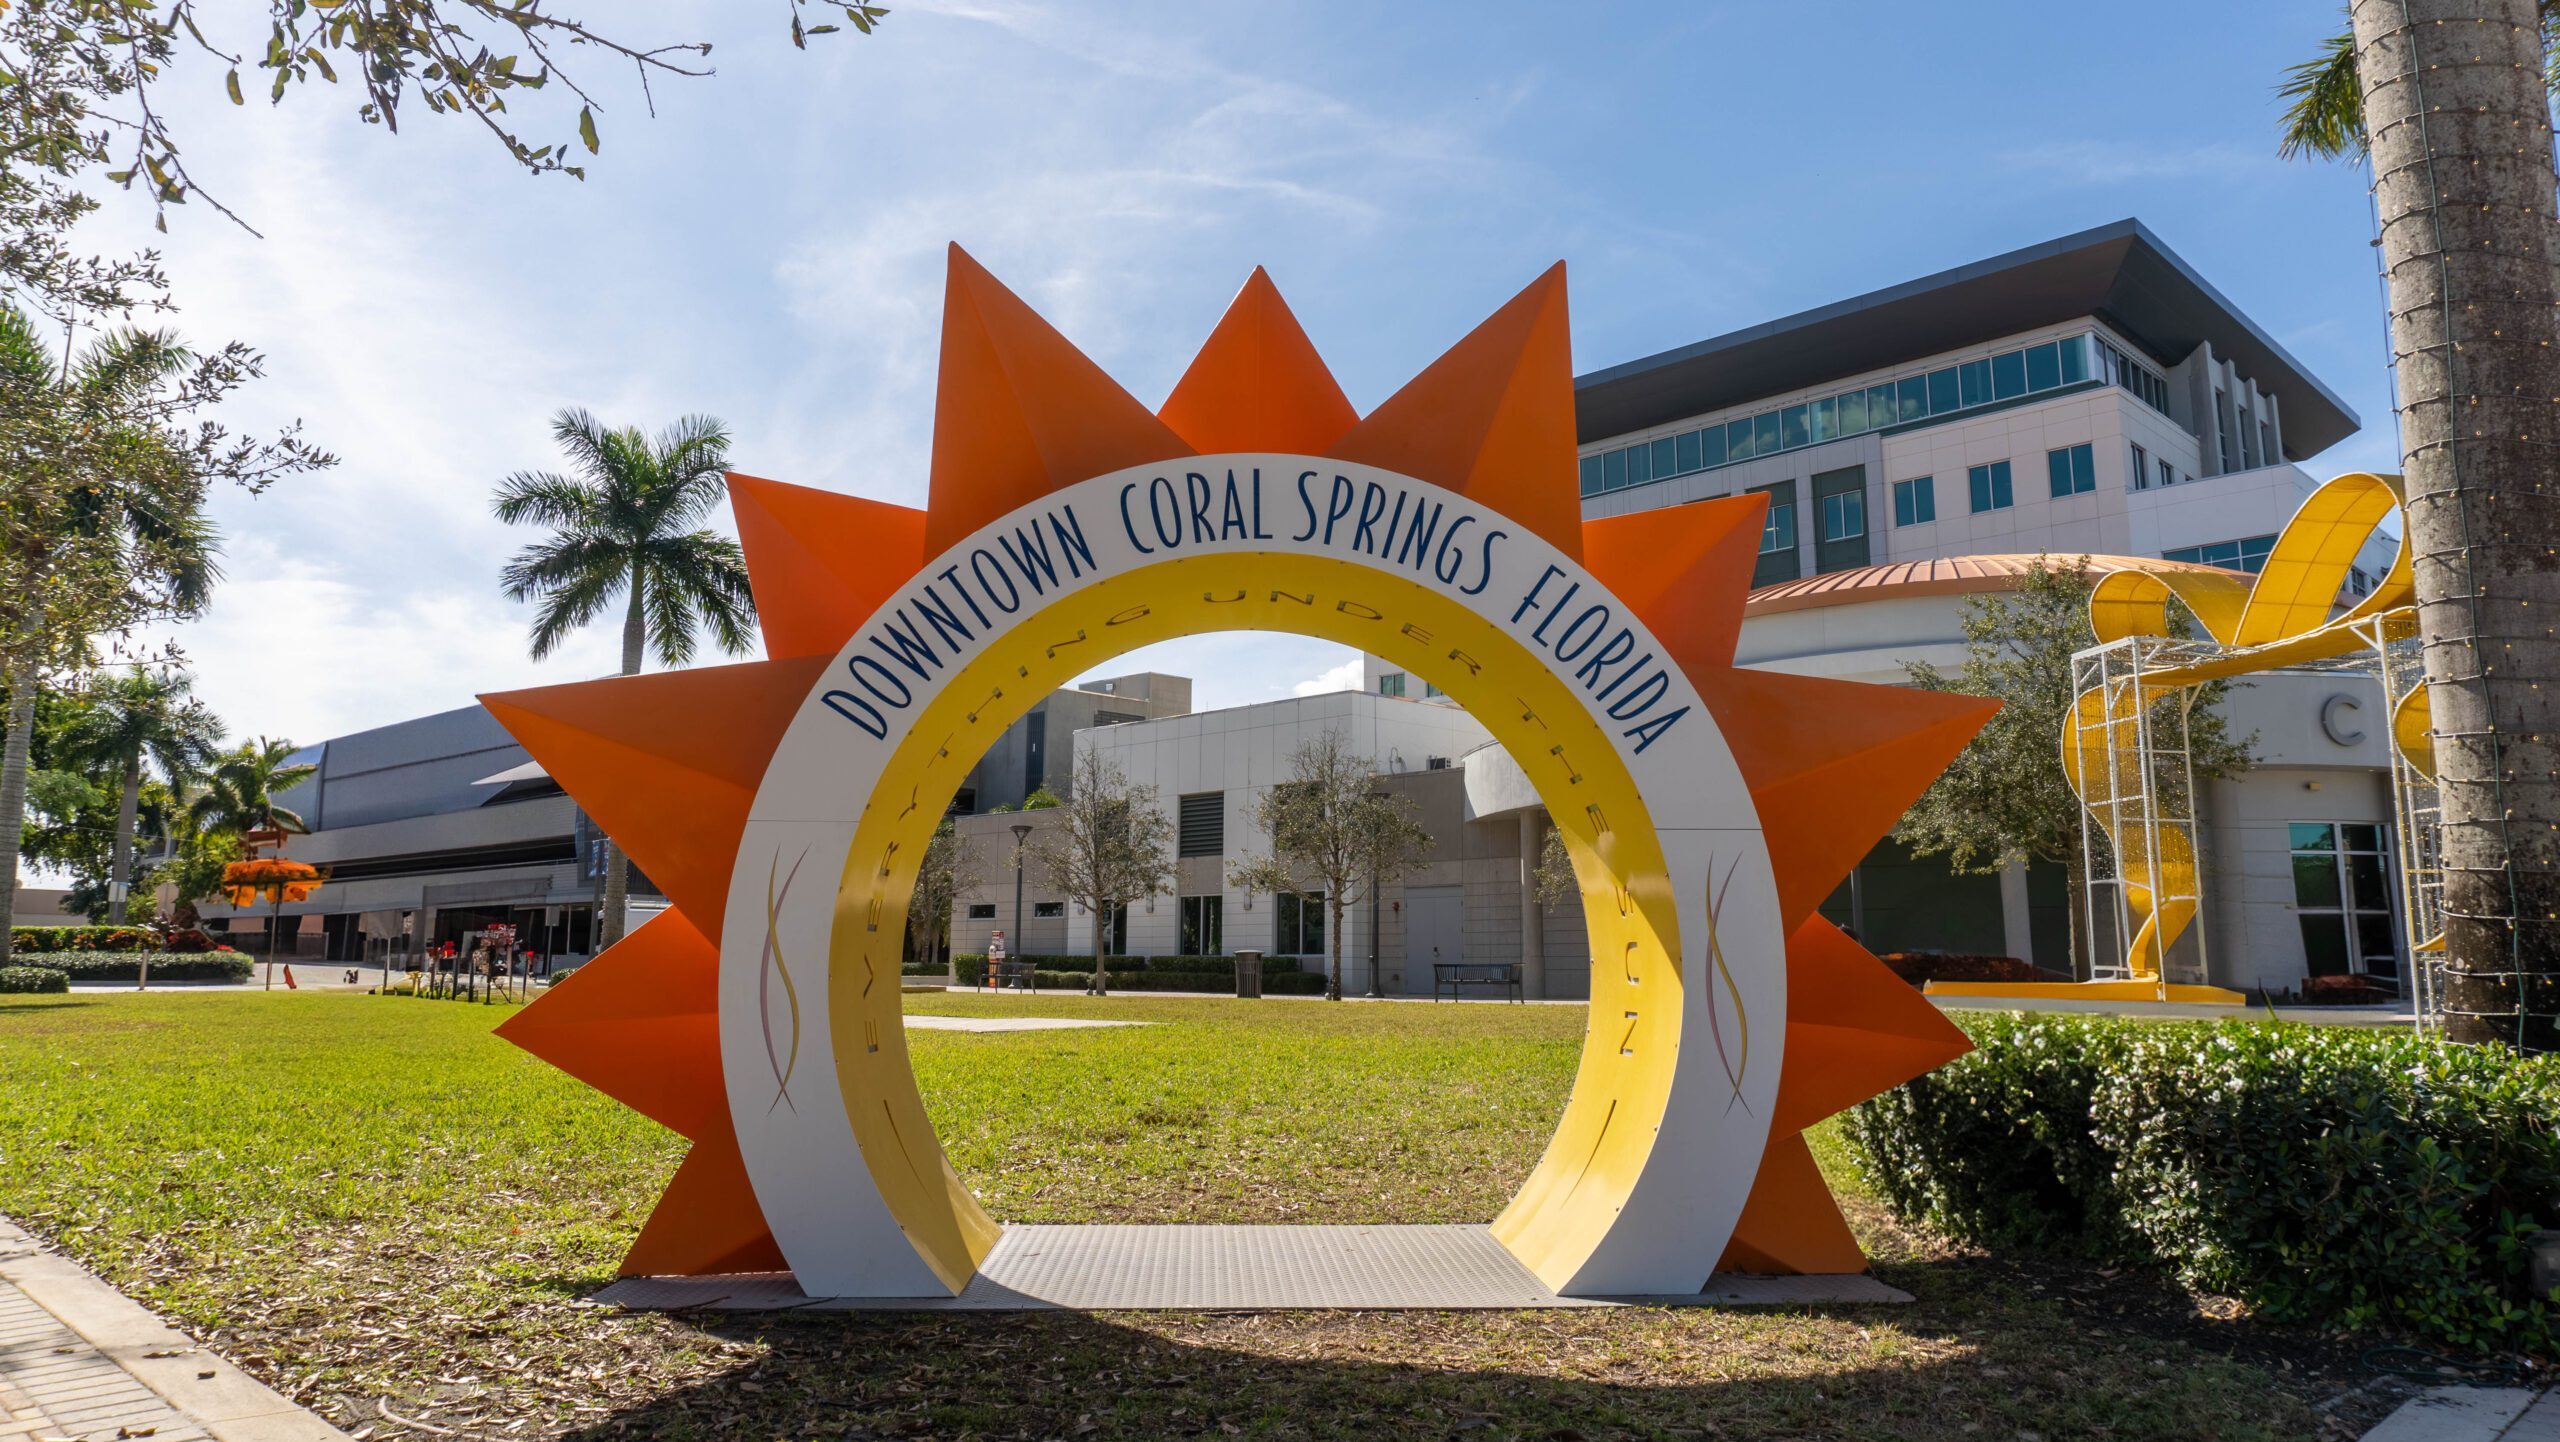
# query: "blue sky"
769 248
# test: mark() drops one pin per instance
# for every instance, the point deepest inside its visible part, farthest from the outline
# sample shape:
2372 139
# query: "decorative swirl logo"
1734 1066
783 1058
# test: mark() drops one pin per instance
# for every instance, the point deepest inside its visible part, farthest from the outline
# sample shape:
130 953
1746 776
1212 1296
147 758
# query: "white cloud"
1345 677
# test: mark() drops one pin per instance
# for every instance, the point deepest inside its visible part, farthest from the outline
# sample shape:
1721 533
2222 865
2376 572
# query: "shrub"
80 938
1215 974
23 980
188 941
2359 1177
2342 991
1917 967
127 965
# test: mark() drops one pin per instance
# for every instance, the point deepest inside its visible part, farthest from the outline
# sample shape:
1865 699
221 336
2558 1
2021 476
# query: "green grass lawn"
390 1214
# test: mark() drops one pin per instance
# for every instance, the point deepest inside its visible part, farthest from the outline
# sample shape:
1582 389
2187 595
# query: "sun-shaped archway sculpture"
782 805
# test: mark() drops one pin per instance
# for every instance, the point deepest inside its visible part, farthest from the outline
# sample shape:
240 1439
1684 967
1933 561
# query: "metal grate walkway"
1235 1268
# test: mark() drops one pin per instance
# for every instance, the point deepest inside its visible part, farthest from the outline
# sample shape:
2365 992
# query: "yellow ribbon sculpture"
2277 618
2280 617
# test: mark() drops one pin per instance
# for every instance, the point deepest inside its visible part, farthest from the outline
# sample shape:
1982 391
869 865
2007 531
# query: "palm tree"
239 792
128 726
2450 102
624 526
239 797
103 505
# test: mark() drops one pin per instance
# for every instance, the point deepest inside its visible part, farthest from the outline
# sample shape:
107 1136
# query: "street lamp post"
1375 994
1021 838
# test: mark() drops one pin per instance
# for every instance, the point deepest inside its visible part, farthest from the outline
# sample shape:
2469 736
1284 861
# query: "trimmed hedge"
25 980
2356 1177
127 965
81 938
1191 969
1919 967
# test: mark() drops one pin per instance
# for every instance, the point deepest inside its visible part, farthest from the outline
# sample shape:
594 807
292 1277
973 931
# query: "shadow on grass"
1985 1353
57 1001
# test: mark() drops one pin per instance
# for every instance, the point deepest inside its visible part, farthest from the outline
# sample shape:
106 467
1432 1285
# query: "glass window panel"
2378 942
2365 884
1639 465
1595 471
1614 469
1795 428
2314 836
1826 420
1914 397
2044 366
1686 452
2075 360
2084 469
1925 506
1662 465
1942 391
1711 446
1853 413
2057 465
1974 379
2008 375
2360 836
1881 411
2324 945
2315 880
1737 441
2000 493
1764 434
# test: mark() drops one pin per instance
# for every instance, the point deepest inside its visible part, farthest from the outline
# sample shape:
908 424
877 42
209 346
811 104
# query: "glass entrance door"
2343 900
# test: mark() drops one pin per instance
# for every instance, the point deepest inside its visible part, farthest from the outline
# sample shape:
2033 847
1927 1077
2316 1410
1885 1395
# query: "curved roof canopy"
2120 273
1942 576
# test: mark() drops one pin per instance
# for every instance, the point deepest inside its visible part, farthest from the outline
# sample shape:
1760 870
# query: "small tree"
126 727
948 859
2005 797
1330 827
1553 882
1110 845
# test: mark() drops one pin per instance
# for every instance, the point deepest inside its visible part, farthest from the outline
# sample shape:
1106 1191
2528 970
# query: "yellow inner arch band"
1566 1206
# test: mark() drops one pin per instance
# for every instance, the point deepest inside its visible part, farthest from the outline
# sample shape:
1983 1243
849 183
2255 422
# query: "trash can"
1249 973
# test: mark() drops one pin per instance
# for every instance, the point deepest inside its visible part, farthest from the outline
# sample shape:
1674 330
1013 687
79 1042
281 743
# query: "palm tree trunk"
120 859
617 867
2459 121
1333 942
13 794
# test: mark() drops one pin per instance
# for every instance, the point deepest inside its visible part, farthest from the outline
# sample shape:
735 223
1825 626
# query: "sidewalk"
2473 1414
79 1359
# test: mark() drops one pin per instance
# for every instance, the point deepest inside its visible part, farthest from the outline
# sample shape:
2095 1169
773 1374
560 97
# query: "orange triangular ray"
1854 1029
1685 570
1493 418
1258 383
640 1023
1021 412
1832 765
708 1223
813 583
1790 1224
667 764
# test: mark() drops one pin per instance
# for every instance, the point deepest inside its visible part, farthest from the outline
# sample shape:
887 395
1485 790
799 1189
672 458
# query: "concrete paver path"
78 1359
2473 1414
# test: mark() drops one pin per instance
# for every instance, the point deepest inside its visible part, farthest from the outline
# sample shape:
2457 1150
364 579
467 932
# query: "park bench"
1450 978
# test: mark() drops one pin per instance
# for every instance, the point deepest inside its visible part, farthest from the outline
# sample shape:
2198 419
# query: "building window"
1844 516
982 911
1915 501
1299 924
1778 531
1035 750
2073 470
1595 474
1203 823
2342 900
1431 689
1391 684
2267 443
2246 554
1203 925
1990 487
1048 910
2168 474
2141 470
